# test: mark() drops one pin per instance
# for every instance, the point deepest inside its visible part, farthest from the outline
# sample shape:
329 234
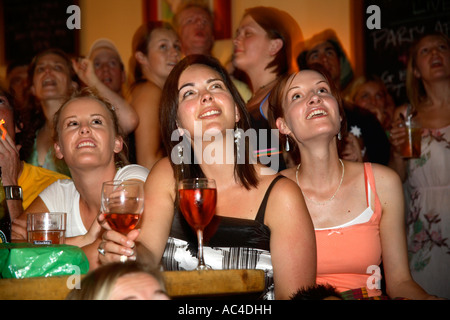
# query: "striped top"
229 243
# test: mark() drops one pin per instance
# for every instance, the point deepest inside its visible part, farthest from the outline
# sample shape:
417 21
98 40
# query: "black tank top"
228 231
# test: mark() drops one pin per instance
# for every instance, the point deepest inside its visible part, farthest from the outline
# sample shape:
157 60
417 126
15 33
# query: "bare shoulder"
284 183
284 193
146 91
145 87
161 173
289 173
286 208
384 176
388 187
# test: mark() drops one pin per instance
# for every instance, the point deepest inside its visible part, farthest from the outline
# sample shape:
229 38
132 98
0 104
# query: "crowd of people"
318 198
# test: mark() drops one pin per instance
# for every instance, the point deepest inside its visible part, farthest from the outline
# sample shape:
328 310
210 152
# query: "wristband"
13 192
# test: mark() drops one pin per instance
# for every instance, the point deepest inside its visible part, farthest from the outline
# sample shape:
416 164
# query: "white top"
62 196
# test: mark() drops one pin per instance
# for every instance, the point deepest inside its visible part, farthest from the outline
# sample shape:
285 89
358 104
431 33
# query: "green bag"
24 260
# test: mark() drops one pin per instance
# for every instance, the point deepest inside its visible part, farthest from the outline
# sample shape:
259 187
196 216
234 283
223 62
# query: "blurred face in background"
371 96
163 53
251 45
325 54
51 78
196 31
432 58
17 80
108 68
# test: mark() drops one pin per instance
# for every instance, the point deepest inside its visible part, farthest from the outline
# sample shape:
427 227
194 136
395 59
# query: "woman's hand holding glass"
397 136
122 206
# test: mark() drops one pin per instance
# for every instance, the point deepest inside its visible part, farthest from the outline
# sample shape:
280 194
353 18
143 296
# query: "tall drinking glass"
198 205
123 204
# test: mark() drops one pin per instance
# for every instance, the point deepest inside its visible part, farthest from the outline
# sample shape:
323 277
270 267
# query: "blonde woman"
426 179
88 138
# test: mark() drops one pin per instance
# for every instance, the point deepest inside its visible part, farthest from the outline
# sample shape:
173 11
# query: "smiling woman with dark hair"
261 221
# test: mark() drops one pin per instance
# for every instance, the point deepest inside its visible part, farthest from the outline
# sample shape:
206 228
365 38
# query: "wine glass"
123 203
198 205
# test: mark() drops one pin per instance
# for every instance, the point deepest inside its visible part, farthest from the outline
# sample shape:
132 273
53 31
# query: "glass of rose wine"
198 205
123 203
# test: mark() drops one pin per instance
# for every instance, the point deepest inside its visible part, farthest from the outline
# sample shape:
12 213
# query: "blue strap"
261 104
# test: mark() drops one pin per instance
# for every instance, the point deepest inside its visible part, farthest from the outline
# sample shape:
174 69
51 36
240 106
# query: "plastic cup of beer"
413 140
46 228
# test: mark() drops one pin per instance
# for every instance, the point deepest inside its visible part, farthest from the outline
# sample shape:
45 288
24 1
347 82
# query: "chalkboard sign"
402 22
31 26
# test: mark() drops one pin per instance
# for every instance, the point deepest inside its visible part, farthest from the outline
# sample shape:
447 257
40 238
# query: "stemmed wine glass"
123 203
198 205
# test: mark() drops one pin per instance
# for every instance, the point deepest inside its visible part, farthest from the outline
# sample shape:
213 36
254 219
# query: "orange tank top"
348 255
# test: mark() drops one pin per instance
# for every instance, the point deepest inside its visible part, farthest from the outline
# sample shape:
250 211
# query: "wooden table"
178 284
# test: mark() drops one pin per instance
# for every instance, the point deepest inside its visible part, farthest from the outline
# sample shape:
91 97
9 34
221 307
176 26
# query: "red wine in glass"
198 198
123 203
122 222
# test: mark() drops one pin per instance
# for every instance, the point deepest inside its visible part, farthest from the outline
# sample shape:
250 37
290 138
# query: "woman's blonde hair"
98 284
121 158
415 89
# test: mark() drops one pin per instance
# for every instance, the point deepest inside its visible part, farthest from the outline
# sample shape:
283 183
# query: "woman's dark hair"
245 173
276 111
316 292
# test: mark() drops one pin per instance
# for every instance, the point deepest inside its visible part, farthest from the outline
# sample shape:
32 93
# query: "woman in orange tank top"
357 209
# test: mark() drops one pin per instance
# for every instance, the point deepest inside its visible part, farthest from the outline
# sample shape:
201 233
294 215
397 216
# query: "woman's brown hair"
245 172
278 97
279 24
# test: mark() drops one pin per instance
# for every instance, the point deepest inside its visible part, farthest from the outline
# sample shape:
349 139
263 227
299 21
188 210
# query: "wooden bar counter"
179 284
